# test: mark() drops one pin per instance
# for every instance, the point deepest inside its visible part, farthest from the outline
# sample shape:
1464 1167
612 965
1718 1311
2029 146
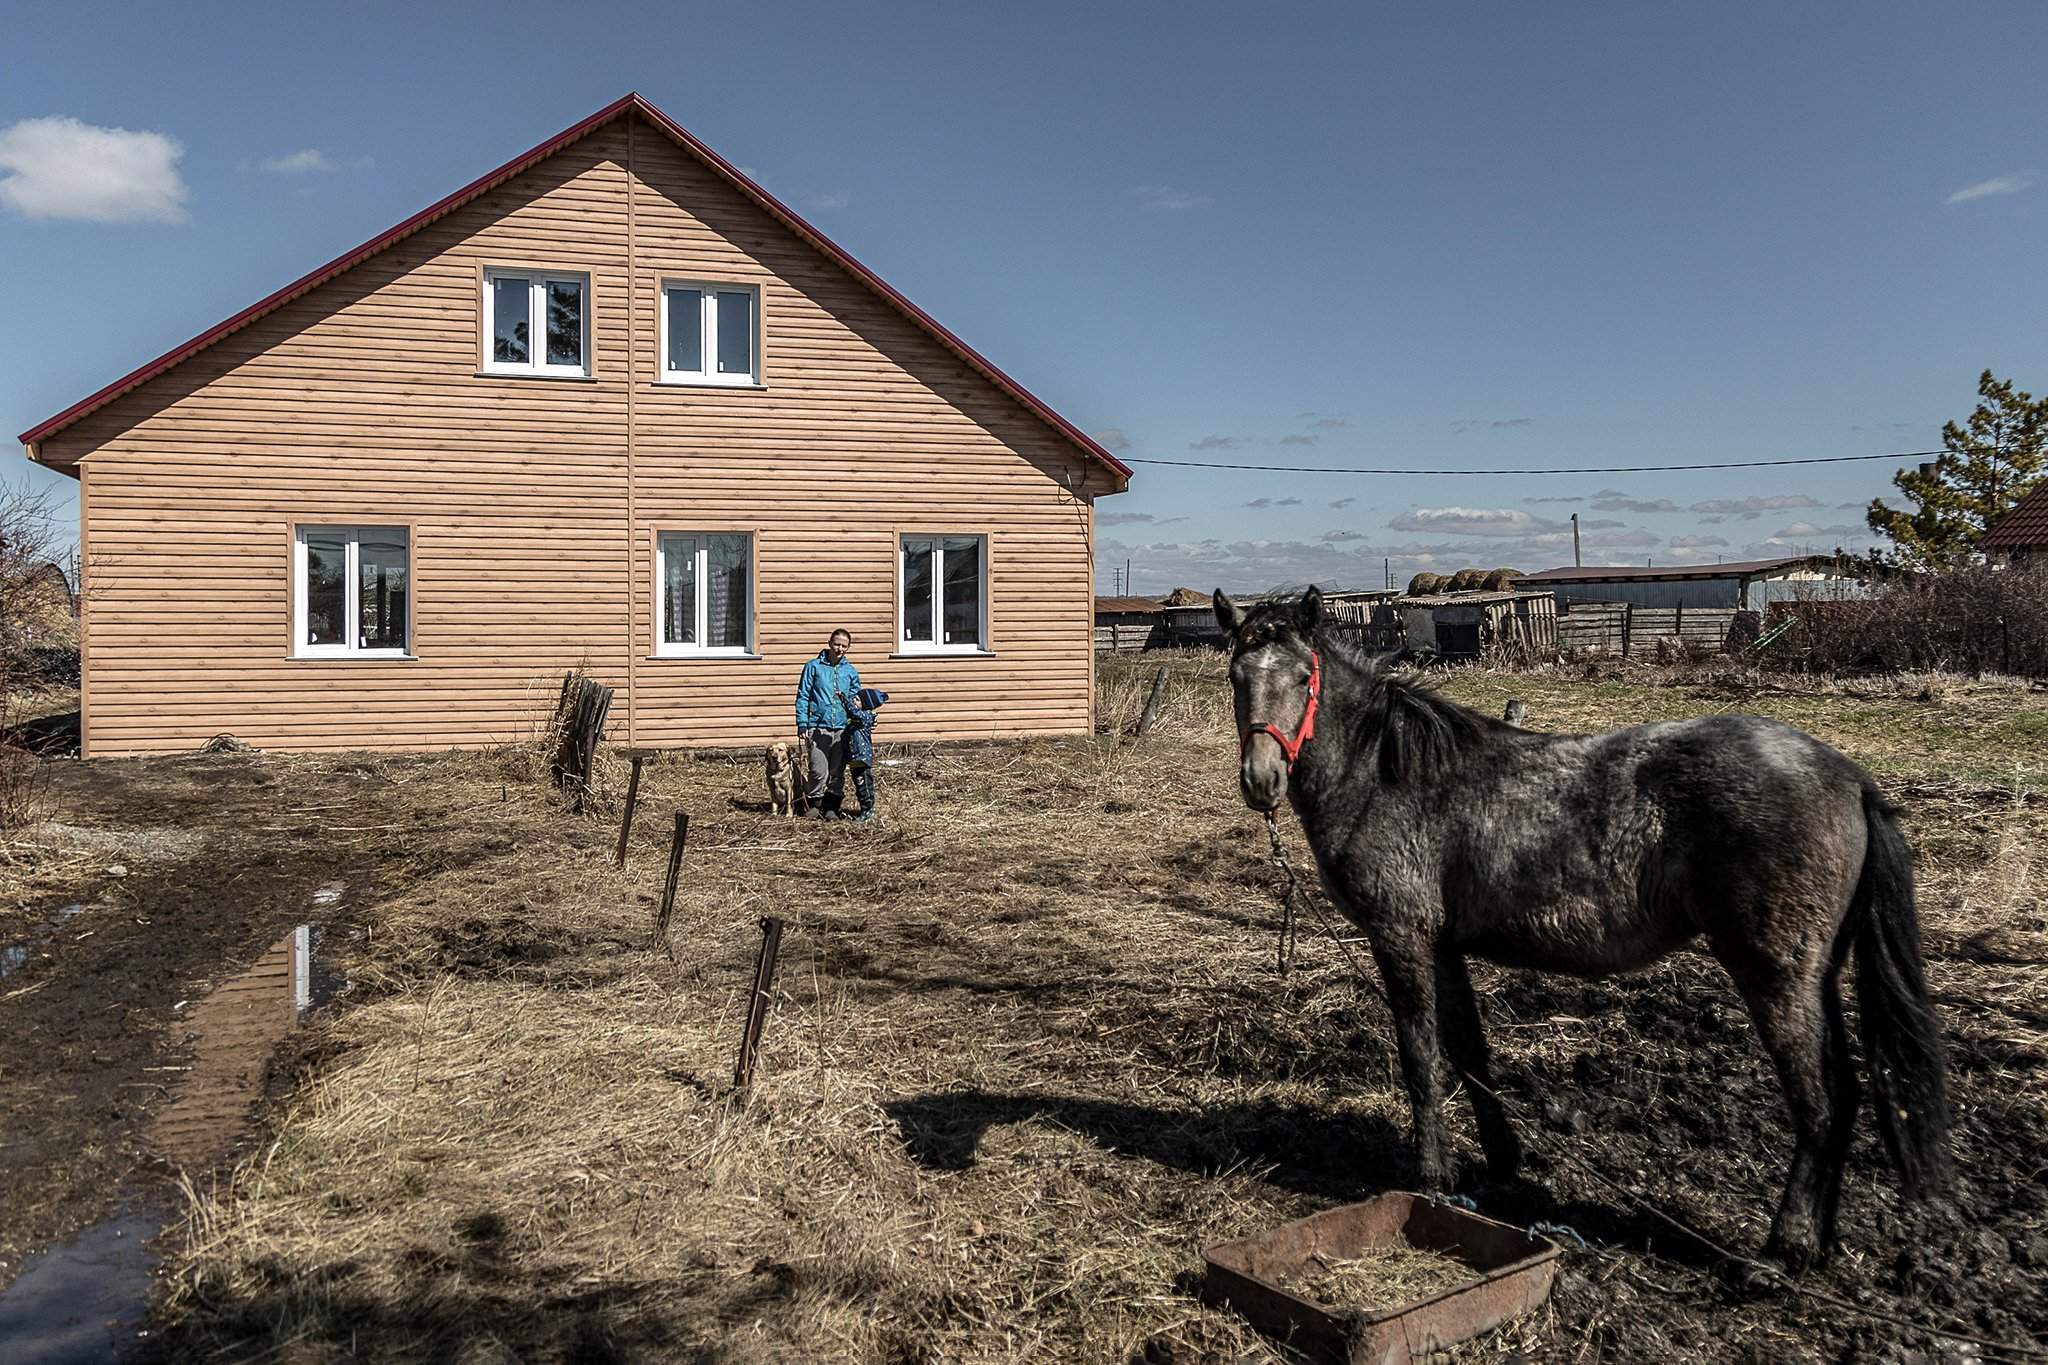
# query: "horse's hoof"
1748 1280
1797 1254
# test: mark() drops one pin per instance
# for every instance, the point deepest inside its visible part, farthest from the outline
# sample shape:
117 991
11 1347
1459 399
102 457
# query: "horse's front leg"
1465 1038
1408 969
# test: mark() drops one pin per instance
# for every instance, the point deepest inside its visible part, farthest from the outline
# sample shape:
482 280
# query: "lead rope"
1290 890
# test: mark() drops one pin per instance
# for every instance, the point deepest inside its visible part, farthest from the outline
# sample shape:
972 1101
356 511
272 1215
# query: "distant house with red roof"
2021 535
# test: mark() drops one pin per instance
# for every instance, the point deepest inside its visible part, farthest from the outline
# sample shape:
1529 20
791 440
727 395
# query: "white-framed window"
703 592
536 322
942 593
351 592
710 333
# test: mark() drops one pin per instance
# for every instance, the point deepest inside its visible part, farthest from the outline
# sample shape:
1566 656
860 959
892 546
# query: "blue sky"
1471 236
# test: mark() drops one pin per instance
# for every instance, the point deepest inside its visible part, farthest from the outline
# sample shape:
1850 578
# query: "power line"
1576 469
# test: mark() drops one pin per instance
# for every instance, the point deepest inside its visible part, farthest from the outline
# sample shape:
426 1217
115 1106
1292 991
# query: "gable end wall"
534 503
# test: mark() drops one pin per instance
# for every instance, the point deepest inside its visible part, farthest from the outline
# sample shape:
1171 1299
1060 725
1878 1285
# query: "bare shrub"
1972 620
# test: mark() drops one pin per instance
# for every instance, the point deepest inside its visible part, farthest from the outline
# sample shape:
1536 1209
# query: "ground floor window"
352 591
703 593
943 593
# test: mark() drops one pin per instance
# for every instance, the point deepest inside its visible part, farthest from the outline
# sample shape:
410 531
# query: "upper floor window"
536 322
710 333
351 591
703 593
943 587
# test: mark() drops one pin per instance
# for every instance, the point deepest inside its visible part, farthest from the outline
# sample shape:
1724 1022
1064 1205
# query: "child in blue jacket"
861 706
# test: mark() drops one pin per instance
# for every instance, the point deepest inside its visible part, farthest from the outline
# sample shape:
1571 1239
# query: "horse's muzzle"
1262 774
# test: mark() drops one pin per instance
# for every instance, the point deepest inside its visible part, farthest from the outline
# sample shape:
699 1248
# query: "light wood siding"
534 502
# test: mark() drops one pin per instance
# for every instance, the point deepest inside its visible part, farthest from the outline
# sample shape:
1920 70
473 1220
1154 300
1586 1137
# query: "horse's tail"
1901 1038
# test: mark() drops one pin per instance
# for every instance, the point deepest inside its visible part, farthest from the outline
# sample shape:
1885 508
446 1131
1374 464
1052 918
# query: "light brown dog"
781 773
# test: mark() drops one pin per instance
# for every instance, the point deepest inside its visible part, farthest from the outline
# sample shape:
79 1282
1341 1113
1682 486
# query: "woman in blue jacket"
821 721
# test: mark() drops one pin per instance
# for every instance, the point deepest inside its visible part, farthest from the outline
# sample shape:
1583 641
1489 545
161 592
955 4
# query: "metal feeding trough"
1511 1274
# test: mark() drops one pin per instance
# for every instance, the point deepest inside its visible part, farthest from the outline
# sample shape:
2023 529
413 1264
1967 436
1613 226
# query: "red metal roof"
2025 527
1620 572
629 103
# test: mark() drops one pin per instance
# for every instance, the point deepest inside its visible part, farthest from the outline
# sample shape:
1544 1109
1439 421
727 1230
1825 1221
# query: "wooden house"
610 406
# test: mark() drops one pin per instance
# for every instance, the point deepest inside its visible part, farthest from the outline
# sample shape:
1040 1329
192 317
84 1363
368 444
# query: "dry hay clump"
1196 700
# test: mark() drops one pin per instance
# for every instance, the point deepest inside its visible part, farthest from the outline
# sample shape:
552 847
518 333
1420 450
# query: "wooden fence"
1130 637
1633 632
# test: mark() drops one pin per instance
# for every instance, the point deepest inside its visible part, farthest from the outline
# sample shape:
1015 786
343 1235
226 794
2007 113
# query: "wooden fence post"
757 1003
1146 721
675 870
632 795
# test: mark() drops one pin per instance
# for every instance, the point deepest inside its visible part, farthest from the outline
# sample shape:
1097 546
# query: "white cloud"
1297 440
63 168
1168 198
1749 509
312 161
1615 502
1215 443
1111 438
1695 542
1997 184
1471 521
831 199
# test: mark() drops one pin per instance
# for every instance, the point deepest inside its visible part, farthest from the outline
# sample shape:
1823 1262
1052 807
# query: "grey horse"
1445 834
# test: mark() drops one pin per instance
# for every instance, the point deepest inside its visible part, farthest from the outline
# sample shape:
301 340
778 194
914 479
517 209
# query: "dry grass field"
1028 1051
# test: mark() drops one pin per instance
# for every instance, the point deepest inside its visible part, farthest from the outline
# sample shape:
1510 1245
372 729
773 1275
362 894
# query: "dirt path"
163 881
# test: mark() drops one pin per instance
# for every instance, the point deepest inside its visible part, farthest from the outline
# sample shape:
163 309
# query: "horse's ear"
1308 612
1227 614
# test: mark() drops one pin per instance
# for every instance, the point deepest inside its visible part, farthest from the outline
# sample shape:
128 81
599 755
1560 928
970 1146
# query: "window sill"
352 658
537 374
944 654
705 384
702 658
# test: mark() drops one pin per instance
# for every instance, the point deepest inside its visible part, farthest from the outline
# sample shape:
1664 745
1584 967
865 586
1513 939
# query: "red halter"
1290 745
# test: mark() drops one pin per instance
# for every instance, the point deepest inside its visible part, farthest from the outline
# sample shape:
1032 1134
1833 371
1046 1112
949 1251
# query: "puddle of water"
15 956
232 1032
84 1302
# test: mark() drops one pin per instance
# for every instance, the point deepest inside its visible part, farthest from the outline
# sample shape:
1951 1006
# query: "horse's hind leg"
1845 1097
1786 1007
1465 1040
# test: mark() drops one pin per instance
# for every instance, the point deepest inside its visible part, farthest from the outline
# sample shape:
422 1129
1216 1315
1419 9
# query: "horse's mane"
1421 732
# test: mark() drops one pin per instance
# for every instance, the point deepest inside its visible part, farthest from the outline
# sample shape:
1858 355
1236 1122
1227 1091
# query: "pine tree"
1986 465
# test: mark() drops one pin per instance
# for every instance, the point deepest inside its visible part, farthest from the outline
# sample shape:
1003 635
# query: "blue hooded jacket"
821 693
860 740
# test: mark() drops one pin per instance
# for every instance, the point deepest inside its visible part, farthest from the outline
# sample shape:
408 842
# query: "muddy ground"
1029 1052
